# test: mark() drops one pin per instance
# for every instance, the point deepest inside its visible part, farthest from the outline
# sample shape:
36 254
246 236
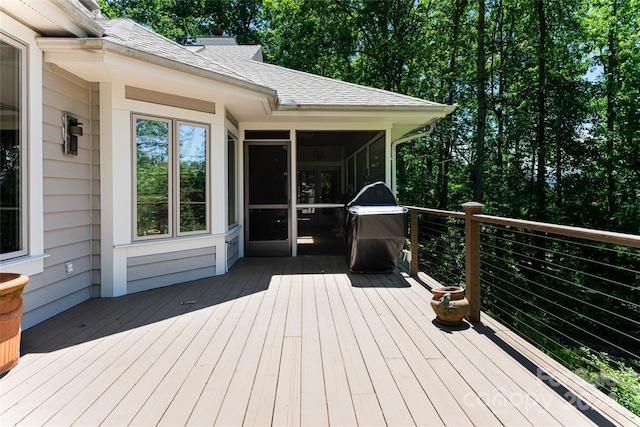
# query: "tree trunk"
611 111
502 81
446 147
478 167
541 110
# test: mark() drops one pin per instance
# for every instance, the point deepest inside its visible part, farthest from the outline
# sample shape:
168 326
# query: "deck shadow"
448 329
101 317
378 280
544 377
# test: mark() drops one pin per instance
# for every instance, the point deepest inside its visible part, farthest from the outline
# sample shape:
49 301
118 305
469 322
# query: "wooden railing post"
472 258
414 242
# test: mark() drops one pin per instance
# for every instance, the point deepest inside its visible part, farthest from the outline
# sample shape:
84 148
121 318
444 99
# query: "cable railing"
573 292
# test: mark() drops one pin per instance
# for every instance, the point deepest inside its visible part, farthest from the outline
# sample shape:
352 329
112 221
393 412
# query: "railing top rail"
437 212
565 230
611 237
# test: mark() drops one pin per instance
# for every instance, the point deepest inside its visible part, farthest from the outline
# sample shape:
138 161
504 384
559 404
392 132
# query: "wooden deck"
287 342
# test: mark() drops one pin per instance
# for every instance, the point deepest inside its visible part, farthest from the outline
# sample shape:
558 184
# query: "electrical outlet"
68 268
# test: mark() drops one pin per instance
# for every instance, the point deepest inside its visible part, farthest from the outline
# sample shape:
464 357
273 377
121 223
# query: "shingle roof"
127 33
305 89
295 89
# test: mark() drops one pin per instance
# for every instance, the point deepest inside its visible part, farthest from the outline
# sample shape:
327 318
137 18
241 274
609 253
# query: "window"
232 181
13 214
171 178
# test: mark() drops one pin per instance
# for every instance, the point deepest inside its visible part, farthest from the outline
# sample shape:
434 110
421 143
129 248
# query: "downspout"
394 146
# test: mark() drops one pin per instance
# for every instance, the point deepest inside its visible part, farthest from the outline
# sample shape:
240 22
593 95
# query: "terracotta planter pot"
449 312
11 287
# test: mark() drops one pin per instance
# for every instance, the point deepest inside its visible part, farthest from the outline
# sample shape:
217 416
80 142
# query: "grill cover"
375 230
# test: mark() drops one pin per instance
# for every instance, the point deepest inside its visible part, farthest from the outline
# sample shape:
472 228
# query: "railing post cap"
472 206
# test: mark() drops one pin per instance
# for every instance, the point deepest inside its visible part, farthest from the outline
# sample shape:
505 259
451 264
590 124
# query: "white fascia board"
80 15
438 110
55 17
400 122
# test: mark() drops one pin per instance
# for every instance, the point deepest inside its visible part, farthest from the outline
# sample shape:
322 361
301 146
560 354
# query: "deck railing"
573 292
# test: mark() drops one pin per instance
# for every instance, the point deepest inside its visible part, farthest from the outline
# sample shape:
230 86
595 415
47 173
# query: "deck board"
287 341
287 406
146 407
339 402
261 401
313 406
212 396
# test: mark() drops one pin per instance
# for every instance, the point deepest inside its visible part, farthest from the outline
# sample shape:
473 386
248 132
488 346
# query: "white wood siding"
233 252
67 193
163 269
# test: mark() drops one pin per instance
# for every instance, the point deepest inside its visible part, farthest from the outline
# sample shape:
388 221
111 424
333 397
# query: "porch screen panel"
192 166
351 172
362 171
376 160
152 177
330 185
307 186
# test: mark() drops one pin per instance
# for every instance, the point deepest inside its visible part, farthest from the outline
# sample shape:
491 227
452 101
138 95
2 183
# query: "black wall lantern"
71 130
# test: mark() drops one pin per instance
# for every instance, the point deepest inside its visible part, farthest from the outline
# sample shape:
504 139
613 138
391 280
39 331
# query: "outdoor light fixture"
71 130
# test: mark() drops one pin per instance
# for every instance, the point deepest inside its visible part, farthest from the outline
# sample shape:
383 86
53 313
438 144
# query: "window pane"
152 177
231 181
193 177
11 186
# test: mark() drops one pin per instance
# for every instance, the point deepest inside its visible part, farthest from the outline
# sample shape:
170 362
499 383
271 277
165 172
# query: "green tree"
184 20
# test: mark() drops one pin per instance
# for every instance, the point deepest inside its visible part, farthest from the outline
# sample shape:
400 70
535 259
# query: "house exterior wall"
233 250
126 265
67 200
162 269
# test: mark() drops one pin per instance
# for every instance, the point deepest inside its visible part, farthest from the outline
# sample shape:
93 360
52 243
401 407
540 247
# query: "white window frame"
232 188
173 177
31 262
22 142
